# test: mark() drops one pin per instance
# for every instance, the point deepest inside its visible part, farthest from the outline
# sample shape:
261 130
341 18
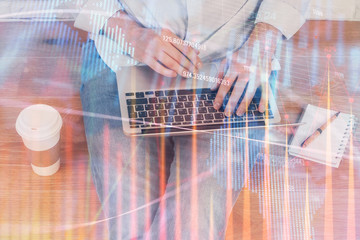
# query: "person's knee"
95 74
98 90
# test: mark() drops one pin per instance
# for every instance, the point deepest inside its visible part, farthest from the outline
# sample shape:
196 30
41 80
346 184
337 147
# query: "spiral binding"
344 142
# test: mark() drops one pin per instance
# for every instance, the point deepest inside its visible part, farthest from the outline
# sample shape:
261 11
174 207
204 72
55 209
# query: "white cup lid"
38 122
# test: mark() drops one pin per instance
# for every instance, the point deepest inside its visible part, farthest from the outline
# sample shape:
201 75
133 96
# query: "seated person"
168 187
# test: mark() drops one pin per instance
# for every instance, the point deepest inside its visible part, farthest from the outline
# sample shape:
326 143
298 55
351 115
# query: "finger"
177 43
192 55
178 57
196 50
219 76
223 90
264 98
172 64
157 67
250 92
156 50
235 96
188 51
185 56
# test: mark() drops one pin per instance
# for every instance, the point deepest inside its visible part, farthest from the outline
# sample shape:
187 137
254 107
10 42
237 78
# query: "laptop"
153 105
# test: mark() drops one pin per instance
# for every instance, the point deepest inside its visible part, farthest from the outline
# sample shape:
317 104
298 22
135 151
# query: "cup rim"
46 132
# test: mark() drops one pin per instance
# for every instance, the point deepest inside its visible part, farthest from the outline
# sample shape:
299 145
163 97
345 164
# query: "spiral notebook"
329 147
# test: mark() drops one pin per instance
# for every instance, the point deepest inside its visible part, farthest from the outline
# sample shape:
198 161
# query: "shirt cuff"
287 19
95 13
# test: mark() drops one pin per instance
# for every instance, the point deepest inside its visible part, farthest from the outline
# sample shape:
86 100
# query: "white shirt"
220 25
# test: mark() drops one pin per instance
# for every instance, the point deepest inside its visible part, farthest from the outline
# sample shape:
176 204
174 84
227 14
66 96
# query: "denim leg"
125 170
205 180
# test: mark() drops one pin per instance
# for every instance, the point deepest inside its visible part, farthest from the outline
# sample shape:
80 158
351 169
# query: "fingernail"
239 113
261 108
228 113
217 105
199 65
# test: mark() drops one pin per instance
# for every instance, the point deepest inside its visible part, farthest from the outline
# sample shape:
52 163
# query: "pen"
319 131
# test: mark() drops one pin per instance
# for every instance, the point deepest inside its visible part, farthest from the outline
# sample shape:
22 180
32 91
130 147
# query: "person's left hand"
248 69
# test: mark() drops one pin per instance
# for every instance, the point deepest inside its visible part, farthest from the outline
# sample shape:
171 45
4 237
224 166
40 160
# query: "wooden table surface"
40 63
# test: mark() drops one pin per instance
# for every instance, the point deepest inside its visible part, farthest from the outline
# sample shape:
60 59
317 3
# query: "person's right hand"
152 49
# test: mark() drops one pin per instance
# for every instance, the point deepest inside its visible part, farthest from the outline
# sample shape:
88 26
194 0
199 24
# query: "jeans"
181 187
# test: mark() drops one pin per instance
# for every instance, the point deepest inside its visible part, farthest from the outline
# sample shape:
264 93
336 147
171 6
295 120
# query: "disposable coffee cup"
39 127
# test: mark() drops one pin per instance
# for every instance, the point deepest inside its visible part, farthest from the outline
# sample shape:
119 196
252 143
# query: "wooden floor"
41 65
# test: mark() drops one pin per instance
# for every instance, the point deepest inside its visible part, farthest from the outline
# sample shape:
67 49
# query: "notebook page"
328 143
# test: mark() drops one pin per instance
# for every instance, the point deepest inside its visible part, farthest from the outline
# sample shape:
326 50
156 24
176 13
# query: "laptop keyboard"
185 107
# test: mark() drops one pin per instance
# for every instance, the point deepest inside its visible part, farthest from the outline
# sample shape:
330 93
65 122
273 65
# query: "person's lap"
164 186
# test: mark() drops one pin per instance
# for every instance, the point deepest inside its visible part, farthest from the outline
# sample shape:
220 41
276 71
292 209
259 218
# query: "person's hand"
164 56
244 77
247 69
153 48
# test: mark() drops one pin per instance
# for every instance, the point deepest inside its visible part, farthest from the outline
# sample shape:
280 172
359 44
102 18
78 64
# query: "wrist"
266 37
119 20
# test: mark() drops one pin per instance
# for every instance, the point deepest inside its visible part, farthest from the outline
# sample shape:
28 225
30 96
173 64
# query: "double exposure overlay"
179 119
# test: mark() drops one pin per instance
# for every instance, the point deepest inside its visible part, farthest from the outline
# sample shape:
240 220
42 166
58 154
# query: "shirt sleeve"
286 15
94 14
